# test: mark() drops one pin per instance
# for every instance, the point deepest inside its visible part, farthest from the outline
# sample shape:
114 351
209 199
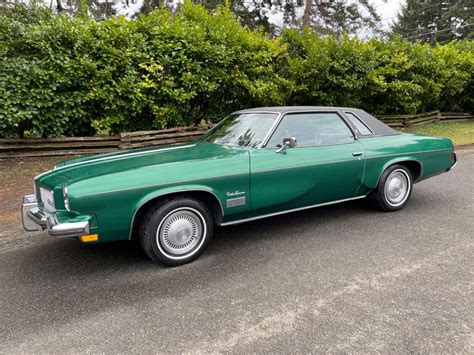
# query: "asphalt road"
341 279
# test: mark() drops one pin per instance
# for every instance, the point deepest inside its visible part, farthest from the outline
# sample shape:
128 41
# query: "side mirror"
287 143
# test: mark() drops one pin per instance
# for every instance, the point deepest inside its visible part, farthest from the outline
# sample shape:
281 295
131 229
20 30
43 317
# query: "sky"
388 10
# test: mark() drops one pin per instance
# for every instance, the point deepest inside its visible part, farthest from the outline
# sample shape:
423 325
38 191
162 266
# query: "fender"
373 184
168 191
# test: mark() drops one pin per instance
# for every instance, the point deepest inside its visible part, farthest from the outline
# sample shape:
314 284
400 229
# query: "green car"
255 163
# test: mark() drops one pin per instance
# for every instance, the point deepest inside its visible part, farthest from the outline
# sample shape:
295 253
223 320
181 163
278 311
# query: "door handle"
357 154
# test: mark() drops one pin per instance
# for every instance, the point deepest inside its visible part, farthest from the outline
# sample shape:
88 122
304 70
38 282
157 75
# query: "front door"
326 165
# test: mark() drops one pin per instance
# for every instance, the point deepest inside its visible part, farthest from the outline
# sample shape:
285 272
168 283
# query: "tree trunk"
307 13
59 5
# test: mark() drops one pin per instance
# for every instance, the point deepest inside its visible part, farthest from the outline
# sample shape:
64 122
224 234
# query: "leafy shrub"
63 75
72 76
380 76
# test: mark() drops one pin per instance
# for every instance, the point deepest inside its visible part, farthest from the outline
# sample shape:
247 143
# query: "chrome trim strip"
289 211
43 173
271 130
159 185
170 193
118 157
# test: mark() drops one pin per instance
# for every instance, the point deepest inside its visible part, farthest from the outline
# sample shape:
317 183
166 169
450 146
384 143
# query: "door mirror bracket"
287 143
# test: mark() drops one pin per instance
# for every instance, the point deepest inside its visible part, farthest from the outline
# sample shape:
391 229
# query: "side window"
312 130
361 127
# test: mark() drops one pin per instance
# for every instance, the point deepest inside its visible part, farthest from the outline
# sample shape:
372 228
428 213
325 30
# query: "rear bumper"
34 219
455 162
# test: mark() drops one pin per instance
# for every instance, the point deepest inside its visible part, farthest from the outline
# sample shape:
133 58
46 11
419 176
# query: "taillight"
452 157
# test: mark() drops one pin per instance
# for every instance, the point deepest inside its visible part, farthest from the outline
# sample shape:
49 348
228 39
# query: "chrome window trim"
362 122
272 128
239 221
337 112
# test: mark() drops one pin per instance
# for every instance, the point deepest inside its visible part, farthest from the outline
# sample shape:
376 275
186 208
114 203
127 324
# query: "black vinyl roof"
287 109
377 127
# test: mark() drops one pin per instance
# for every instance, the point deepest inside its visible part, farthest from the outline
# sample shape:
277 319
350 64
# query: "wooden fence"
403 121
41 147
163 137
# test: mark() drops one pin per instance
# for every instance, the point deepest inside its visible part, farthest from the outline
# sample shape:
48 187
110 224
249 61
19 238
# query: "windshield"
242 130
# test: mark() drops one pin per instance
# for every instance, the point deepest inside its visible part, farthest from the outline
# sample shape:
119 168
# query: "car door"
326 164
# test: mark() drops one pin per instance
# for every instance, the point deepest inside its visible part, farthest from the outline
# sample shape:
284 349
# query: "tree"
324 16
435 20
336 17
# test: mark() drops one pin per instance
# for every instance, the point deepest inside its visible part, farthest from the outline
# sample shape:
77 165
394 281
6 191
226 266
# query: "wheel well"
414 167
208 198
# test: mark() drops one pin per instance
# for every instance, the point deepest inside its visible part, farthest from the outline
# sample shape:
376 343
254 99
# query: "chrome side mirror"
287 143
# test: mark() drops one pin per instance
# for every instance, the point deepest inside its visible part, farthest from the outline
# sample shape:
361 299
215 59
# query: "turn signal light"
89 238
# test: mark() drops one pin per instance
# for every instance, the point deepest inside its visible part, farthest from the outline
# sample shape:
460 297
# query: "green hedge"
63 75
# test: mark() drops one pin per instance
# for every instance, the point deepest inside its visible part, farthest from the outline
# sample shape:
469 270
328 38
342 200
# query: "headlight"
66 198
48 199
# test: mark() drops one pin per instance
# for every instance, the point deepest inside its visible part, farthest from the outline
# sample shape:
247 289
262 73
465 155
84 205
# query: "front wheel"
176 231
394 189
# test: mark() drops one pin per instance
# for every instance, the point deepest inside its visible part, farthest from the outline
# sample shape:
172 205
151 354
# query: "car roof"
286 109
377 127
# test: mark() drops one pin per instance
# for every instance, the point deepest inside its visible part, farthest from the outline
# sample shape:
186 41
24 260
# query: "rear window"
361 127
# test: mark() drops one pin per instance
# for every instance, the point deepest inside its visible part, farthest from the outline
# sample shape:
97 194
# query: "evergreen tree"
435 20
326 16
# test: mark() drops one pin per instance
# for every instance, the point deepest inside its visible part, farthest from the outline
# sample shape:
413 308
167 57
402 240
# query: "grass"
461 133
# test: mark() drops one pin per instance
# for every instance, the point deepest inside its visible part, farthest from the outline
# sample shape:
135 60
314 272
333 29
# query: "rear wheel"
394 189
176 231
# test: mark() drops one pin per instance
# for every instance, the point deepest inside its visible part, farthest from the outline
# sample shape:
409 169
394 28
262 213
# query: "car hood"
74 170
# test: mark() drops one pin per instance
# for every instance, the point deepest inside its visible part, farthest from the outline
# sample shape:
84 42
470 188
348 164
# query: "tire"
394 189
176 231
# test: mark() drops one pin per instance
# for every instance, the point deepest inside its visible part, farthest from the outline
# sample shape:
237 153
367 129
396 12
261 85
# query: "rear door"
326 165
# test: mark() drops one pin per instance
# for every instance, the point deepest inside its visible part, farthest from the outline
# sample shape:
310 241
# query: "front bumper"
34 219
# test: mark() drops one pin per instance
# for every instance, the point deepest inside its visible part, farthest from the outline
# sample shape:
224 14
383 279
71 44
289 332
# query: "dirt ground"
16 180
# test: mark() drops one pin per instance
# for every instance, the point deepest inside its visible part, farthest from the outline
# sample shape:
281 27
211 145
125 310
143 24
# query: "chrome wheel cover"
397 187
181 232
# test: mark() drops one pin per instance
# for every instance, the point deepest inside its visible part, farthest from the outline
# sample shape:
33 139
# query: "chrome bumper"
35 219
455 162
